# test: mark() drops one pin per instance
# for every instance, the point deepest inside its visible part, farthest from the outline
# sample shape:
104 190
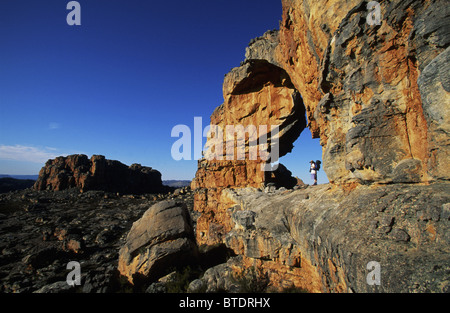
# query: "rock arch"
258 93
375 95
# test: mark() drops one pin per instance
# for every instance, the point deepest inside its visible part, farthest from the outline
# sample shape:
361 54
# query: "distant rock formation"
177 183
97 173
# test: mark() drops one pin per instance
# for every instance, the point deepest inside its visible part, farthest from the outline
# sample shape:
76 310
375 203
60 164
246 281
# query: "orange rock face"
361 88
360 85
376 94
258 96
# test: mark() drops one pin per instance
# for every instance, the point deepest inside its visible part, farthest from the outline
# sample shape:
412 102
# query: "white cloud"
28 154
54 125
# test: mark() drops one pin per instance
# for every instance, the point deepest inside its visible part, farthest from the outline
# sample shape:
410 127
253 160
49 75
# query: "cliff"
97 173
371 86
377 96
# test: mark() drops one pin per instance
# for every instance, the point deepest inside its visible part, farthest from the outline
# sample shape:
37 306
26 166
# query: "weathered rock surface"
363 86
377 96
98 173
434 86
161 239
256 94
41 231
370 86
321 238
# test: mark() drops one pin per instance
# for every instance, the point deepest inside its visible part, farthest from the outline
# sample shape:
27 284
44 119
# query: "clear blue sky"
119 83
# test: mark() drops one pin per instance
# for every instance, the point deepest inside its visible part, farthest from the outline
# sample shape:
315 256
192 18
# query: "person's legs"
314 178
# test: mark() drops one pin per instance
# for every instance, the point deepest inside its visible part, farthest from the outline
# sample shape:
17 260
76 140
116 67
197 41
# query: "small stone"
400 235
196 286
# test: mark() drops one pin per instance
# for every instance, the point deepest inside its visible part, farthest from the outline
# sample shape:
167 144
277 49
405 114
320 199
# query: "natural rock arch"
368 92
259 92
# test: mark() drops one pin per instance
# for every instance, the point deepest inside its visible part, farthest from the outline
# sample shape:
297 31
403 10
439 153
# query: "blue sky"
117 84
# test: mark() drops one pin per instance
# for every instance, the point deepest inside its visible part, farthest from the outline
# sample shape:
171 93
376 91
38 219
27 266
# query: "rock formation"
376 93
97 173
162 239
322 238
258 93
371 86
377 96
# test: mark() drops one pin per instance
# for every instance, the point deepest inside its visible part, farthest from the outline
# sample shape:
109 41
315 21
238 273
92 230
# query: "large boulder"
97 173
161 240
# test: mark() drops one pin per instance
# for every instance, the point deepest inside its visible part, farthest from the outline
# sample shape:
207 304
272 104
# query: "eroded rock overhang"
257 94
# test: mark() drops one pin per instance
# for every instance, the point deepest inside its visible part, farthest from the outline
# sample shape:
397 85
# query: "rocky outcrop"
322 238
257 94
161 239
97 173
370 86
376 93
363 85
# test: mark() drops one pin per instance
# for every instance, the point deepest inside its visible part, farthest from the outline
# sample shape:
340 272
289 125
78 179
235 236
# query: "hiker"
313 169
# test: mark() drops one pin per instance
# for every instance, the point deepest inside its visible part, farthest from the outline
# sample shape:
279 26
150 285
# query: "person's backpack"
318 165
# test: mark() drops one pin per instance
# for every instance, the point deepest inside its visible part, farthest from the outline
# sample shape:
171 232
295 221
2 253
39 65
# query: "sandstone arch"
375 95
259 92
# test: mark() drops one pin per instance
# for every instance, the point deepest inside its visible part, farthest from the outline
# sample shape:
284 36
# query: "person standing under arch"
313 170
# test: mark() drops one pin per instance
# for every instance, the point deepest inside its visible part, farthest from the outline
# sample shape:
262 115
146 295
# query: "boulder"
161 240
